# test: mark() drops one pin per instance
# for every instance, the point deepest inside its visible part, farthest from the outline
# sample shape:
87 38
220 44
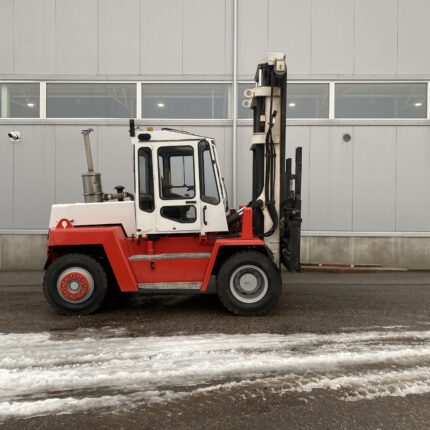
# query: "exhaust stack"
91 181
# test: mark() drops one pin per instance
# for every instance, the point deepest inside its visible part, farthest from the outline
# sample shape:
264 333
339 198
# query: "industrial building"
358 104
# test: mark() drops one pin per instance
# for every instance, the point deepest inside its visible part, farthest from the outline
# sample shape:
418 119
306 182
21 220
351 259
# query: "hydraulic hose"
271 167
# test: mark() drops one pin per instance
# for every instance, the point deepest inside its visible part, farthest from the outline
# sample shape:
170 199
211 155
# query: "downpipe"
234 143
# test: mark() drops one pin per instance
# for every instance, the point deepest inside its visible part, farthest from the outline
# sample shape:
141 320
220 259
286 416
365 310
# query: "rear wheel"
249 283
75 284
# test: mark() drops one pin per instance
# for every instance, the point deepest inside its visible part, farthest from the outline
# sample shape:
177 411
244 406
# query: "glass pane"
307 100
179 213
303 100
381 100
208 185
91 100
19 100
185 101
176 172
146 193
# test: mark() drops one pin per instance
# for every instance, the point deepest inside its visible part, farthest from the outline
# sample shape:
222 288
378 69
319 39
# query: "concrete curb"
28 278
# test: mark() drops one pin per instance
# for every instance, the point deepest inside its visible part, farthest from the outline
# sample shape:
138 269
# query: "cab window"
183 214
146 186
208 186
176 172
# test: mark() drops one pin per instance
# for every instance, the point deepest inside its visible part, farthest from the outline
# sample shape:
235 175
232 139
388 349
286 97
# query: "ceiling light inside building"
160 105
418 104
292 104
30 104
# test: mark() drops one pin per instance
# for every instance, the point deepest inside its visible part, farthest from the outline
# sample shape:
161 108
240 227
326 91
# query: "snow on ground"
46 373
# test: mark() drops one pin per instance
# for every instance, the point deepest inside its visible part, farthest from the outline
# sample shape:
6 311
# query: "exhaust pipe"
91 181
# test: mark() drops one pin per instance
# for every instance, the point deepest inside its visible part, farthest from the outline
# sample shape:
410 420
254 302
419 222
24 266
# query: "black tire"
255 294
75 284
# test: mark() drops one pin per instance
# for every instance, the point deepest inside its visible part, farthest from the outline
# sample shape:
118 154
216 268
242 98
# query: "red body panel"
119 248
113 240
173 270
225 242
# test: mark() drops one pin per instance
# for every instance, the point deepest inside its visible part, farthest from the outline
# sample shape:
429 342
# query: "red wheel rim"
75 285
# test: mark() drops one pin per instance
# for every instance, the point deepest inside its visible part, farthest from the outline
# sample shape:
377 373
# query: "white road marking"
42 373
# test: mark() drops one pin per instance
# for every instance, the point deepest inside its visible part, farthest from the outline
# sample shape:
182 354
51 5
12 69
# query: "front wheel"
249 283
75 284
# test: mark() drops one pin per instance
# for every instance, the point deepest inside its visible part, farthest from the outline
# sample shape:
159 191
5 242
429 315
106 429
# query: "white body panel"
162 224
105 213
209 217
216 220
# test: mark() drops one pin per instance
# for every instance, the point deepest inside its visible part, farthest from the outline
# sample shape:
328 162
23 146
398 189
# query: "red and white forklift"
176 234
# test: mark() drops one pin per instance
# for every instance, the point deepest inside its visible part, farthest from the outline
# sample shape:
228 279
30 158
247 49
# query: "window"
381 100
94 100
307 100
208 185
304 100
19 100
176 172
185 100
184 214
146 188
211 100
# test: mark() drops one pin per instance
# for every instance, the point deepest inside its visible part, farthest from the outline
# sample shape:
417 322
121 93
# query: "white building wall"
378 182
143 38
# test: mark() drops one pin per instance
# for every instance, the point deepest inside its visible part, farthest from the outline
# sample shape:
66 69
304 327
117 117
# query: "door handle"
189 202
204 215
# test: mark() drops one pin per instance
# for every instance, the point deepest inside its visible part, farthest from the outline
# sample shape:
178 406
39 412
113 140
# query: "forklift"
175 234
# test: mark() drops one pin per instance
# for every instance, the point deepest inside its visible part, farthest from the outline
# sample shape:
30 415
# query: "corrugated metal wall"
337 37
378 181
111 37
46 167
194 37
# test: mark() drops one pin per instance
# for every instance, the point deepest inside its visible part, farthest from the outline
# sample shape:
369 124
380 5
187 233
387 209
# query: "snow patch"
66 372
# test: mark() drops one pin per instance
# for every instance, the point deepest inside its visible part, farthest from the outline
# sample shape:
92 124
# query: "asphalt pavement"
339 351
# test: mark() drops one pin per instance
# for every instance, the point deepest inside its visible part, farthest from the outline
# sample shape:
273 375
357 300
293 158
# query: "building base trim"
28 251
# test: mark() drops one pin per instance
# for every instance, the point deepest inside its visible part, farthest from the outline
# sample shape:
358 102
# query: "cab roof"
168 136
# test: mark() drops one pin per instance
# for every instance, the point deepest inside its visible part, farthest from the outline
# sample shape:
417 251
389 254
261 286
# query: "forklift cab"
178 184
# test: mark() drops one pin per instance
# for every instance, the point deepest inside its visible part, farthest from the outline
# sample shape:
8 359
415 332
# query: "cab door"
211 190
177 189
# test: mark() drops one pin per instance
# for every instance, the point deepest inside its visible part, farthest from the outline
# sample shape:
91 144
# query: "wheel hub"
249 283
75 285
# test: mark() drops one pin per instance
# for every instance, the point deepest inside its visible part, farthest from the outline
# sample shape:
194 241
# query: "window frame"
382 82
231 116
203 146
227 84
191 205
311 82
46 84
332 102
21 82
148 152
